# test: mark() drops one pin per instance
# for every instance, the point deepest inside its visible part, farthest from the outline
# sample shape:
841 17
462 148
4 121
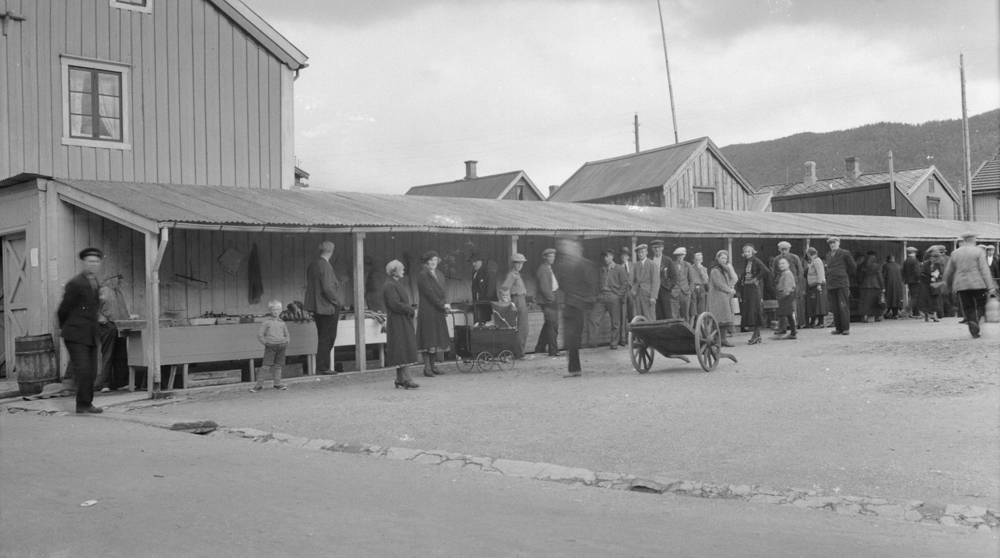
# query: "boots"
725 342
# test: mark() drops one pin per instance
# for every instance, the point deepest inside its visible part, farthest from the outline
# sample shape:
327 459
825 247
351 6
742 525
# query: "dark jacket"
401 341
432 321
484 284
321 288
840 266
78 311
578 280
758 271
911 270
544 294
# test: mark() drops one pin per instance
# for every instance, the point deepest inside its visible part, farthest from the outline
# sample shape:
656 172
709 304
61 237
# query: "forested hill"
937 143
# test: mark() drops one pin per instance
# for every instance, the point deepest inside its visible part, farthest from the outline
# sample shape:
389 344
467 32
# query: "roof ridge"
648 151
467 179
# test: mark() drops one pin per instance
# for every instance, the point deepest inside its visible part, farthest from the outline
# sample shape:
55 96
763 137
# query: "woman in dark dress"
401 342
432 324
931 274
892 274
871 284
753 276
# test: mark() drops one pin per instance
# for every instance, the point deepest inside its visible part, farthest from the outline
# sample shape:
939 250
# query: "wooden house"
920 192
688 174
986 191
514 185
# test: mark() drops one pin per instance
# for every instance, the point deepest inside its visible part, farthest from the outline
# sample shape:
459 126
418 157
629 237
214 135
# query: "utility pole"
967 202
637 132
670 87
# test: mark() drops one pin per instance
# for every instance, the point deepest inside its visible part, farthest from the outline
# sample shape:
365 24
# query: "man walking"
840 266
680 294
545 296
968 274
321 299
578 279
644 284
78 327
612 288
911 276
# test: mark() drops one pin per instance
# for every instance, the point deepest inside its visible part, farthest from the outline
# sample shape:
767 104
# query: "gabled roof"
638 171
493 187
987 176
151 206
906 182
262 32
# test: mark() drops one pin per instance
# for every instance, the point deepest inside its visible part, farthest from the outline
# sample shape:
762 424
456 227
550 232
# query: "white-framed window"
145 6
933 208
930 185
704 198
96 107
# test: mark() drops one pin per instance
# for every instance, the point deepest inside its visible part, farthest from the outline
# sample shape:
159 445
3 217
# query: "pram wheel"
484 361
464 365
505 360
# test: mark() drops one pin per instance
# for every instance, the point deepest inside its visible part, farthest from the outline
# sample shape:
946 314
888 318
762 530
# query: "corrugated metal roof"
186 206
905 179
484 187
988 175
628 173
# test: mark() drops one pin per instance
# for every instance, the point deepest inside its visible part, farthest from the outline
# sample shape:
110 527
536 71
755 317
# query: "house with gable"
986 191
514 185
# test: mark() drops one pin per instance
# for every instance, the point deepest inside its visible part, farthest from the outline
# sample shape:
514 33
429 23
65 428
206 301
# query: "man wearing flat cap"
795 266
666 279
628 305
911 276
612 288
840 266
545 296
969 275
644 284
484 288
78 327
515 283
680 294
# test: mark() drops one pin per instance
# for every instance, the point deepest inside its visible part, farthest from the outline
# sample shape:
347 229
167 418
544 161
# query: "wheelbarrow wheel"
465 365
639 353
707 341
484 361
505 360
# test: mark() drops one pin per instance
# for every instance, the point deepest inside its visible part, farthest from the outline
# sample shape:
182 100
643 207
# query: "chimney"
810 174
552 190
853 167
470 169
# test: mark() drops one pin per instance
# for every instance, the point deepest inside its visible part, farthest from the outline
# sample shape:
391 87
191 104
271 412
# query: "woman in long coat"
872 285
401 342
929 300
892 274
750 287
432 323
721 288
816 303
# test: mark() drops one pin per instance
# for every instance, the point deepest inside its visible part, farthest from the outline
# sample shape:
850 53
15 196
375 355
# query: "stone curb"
176 425
951 515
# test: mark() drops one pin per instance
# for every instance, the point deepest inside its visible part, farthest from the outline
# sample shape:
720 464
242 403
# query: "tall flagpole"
670 87
967 201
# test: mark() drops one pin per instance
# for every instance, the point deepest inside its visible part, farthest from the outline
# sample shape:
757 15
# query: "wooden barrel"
35 363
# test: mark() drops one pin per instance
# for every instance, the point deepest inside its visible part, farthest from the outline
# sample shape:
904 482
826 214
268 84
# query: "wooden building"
514 185
986 191
907 193
685 175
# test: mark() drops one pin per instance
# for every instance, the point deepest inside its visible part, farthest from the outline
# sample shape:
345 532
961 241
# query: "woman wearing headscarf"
815 290
721 288
432 324
515 284
931 276
752 280
872 285
892 274
401 342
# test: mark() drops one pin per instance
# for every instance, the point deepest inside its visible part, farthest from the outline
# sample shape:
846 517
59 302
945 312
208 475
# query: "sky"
399 93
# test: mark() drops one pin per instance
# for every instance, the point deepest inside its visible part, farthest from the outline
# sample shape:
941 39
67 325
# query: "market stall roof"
151 206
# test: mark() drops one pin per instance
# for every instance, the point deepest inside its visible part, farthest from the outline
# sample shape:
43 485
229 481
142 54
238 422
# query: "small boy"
786 296
273 334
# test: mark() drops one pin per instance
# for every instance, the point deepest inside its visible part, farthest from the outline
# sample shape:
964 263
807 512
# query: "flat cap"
91 252
833 239
784 244
680 251
968 234
911 249
518 258
608 251
428 255
641 247
656 243
548 251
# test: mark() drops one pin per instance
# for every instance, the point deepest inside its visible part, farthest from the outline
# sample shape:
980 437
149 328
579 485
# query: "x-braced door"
15 294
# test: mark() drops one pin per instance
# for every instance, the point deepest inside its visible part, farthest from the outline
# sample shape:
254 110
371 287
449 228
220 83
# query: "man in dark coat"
578 280
321 299
893 281
666 280
545 296
911 276
484 288
840 267
78 327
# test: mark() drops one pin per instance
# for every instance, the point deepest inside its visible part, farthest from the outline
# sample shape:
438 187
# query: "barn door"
15 294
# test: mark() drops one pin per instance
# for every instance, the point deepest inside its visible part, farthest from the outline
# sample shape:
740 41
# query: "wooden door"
15 294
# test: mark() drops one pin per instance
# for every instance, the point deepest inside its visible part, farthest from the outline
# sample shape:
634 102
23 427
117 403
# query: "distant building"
986 191
689 174
514 185
918 193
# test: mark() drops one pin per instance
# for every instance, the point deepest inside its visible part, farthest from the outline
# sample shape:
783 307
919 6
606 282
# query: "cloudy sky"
399 93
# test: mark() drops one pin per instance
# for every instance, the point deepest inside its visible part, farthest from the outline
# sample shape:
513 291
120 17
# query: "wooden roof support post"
513 246
729 248
155 247
360 354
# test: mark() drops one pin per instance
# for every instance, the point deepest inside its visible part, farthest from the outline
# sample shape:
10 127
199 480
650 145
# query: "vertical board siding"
206 100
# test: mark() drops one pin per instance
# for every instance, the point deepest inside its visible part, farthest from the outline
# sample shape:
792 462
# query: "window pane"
80 103
706 199
109 106
109 83
79 80
81 126
111 128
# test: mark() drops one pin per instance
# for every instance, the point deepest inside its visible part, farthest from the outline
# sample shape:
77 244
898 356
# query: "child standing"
786 296
273 334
